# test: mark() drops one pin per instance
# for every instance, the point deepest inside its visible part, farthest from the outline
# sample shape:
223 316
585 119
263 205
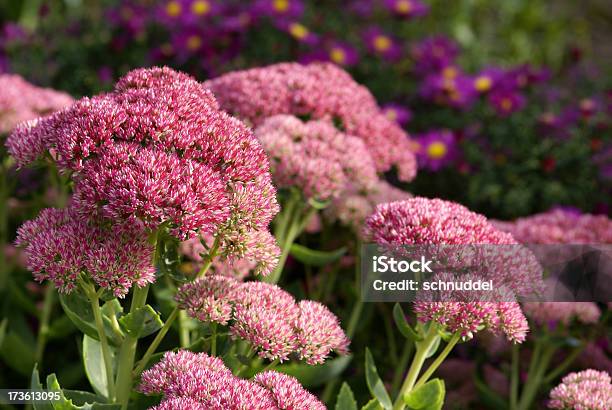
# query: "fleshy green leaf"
313 257
17 350
375 384
94 365
317 204
141 322
313 376
403 326
36 385
346 399
78 309
429 396
434 347
372 405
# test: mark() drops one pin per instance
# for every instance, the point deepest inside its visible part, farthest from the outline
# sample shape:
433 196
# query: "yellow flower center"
436 150
483 83
403 6
391 114
281 5
337 55
173 8
298 31
449 72
506 104
194 42
382 43
200 7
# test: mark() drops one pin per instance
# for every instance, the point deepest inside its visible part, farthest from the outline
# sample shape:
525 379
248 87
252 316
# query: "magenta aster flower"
341 53
398 113
487 79
407 8
58 246
158 148
506 102
299 32
314 156
285 9
21 101
318 91
437 149
588 390
181 13
433 54
382 44
449 87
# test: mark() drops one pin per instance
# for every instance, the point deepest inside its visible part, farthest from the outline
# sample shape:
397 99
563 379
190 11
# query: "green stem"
270 366
401 367
155 343
422 348
209 258
127 353
106 354
534 380
43 328
559 370
184 337
432 368
514 378
213 341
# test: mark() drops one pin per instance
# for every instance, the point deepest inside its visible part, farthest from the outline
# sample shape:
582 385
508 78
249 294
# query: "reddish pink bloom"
22 101
545 313
585 390
319 91
288 392
59 246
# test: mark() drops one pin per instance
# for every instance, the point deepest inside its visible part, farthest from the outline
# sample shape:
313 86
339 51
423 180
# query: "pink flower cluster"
266 316
157 147
422 221
318 90
560 226
314 156
21 101
585 390
562 312
59 246
197 381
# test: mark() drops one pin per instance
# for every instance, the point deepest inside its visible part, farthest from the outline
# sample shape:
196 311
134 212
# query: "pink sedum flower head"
159 148
545 313
317 91
58 246
199 381
585 390
267 317
314 156
21 101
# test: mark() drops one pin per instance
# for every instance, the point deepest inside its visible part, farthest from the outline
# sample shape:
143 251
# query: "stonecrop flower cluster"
317 158
586 390
422 221
196 381
22 101
552 313
317 91
157 149
267 317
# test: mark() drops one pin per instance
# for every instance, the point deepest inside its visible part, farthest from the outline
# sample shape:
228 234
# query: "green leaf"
78 308
375 384
313 376
346 399
18 352
403 326
3 330
36 385
434 347
372 405
429 396
313 257
94 365
141 323
318 204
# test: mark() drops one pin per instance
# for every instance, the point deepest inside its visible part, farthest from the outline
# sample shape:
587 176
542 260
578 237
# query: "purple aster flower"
382 44
506 102
449 87
185 12
437 149
286 9
398 113
525 75
342 53
487 79
130 16
433 54
407 8
299 32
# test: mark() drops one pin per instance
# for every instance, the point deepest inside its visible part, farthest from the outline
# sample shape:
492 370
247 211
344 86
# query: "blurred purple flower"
437 149
433 54
382 44
487 79
130 16
190 41
449 87
525 75
185 12
506 102
398 113
288 9
299 32
363 8
407 8
337 52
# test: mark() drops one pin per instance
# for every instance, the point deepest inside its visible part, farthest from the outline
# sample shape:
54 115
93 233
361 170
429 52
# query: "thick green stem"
514 378
432 368
155 343
535 378
422 349
561 369
401 367
43 328
106 355
127 353
213 341
184 337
